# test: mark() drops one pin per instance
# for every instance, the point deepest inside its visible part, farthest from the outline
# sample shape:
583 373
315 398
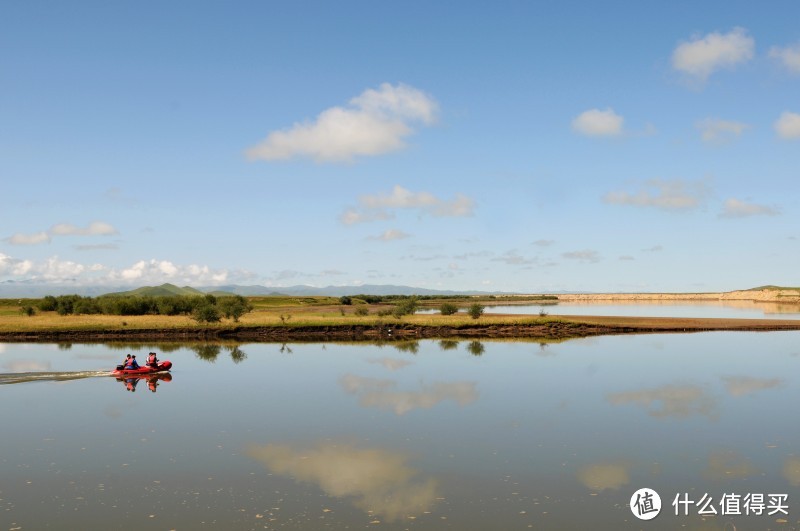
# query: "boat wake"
22 377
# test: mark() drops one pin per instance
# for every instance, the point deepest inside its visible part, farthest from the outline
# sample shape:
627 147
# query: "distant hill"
338 291
164 290
11 289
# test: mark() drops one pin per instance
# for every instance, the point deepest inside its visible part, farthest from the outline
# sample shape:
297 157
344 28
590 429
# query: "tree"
345 300
234 307
206 313
476 310
448 308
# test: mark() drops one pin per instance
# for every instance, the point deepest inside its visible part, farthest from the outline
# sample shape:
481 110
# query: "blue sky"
510 146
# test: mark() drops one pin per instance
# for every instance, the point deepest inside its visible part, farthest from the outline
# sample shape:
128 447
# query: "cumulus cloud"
14 266
582 256
96 228
28 239
788 125
375 122
702 56
734 208
375 480
382 206
390 235
595 122
544 243
716 131
56 271
383 394
667 195
789 57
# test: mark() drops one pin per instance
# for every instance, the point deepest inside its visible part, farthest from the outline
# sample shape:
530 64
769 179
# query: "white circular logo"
645 504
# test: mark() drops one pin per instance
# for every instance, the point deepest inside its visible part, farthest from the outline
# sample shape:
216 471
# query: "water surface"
411 435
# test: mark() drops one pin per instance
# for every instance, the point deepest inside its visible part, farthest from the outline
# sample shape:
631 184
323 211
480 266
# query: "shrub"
206 313
345 300
448 308
362 311
234 307
28 310
475 310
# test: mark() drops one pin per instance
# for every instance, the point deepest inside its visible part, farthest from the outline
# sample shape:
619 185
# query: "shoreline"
552 328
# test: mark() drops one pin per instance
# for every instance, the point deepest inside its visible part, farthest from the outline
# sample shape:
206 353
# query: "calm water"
416 435
722 309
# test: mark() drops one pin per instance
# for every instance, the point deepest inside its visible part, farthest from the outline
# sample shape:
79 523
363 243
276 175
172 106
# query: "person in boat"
152 360
132 364
124 363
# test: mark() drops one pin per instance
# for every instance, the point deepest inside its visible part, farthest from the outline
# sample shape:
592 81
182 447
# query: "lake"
697 309
406 435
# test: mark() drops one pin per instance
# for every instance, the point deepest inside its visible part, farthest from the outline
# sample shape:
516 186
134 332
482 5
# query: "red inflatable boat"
144 369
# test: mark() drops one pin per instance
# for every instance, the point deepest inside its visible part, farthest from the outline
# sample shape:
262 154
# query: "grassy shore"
321 318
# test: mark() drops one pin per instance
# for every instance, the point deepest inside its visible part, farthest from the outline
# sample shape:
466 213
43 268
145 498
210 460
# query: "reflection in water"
131 381
383 394
476 348
407 346
669 401
448 344
727 464
210 352
602 476
747 385
390 363
377 480
791 471
26 365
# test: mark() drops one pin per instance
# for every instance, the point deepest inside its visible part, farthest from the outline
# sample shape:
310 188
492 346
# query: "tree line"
203 308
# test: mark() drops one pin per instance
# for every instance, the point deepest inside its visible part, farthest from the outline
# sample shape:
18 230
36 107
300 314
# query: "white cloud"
702 56
144 272
716 131
28 239
512 257
734 208
374 123
14 266
96 228
668 195
587 255
788 125
544 243
788 56
381 206
595 122
390 235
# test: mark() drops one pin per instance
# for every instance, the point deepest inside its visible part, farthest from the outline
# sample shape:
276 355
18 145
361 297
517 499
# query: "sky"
526 146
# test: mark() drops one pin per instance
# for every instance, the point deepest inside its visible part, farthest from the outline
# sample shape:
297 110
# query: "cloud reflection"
26 366
727 464
378 481
383 394
390 363
747 385
669 401
601 476
791 470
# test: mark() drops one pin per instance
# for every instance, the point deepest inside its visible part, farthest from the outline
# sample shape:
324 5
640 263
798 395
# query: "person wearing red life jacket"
132 364
152 360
